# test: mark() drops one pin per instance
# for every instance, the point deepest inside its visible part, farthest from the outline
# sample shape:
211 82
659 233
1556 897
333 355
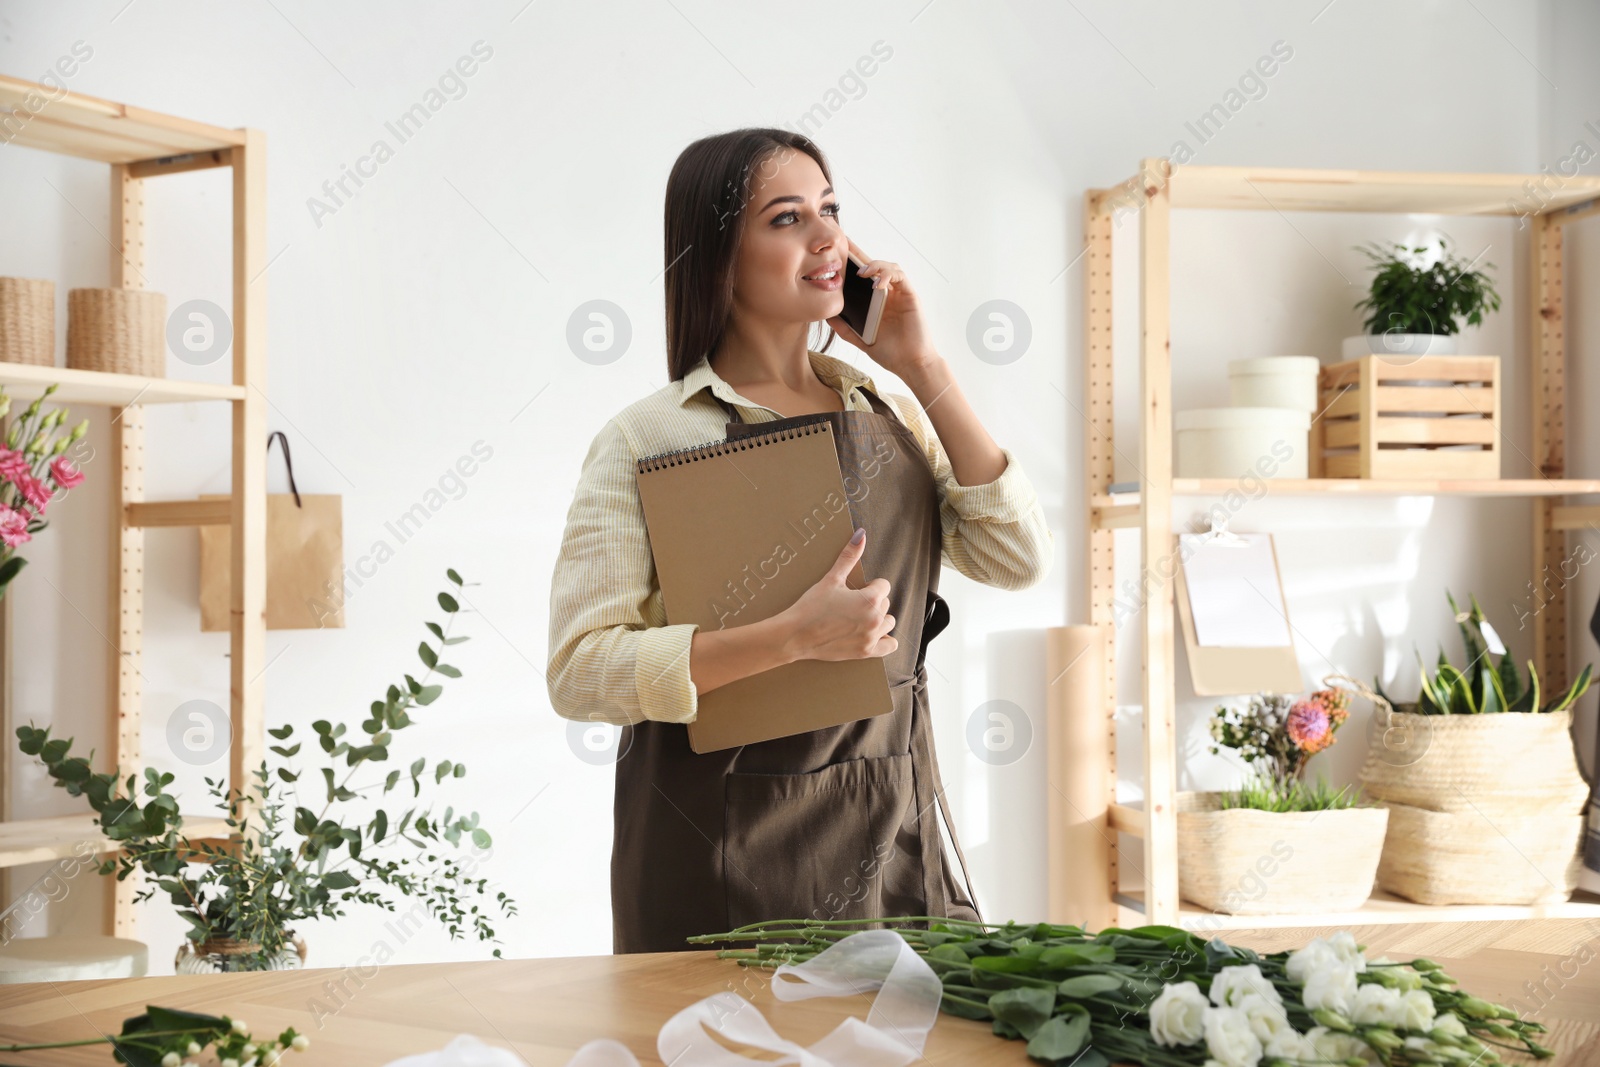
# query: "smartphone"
863 305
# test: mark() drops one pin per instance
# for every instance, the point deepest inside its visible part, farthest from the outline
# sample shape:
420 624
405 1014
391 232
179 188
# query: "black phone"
863 305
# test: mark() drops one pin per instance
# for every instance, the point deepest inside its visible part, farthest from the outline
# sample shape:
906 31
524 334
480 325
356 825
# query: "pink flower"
13 463
14 526
34 491
1309 727
66 475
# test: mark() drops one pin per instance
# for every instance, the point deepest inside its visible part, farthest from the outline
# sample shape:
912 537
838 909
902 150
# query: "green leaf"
427 654
1077 955
1005 964
1510 682
340 880
1088 985
429 694
1026 1008
448 603
1062 1036
1574 691
1494 696
282 733
380 825
481 838
440 771
437 632
453 576
447 670
286 753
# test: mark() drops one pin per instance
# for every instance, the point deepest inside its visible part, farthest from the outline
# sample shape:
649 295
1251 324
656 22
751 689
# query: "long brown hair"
707 193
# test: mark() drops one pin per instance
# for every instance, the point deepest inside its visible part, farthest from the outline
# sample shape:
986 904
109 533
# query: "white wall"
430 311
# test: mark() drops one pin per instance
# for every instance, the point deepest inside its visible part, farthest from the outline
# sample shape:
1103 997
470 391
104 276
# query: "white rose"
1289 1044
1314 957
1450 1024
1377 1005
1345 948
1231 984
1332 1045
1176 1014
1229 1038
1267 1018
1417 1009
1332 986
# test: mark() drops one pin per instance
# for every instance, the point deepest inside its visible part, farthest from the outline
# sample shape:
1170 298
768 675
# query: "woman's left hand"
902 346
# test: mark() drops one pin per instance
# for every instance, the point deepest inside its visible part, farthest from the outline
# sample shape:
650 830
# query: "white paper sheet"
1234 593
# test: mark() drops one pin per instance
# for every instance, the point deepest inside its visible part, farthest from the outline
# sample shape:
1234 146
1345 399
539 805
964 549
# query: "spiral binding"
679 456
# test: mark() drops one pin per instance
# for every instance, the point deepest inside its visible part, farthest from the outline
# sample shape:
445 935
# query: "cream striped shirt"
613 657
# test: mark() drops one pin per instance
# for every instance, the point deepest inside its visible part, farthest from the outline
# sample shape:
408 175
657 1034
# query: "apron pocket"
820 845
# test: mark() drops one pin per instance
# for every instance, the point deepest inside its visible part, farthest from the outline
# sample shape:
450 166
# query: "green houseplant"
1414 306
241 901
1485 793
1320 843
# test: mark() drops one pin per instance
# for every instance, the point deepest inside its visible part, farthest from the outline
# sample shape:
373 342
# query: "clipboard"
1223 670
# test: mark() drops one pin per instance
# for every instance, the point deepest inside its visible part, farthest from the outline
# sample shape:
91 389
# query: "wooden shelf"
1285 189
1380 909
1157 190
42 840
86 126
24 382
140 146
1369 487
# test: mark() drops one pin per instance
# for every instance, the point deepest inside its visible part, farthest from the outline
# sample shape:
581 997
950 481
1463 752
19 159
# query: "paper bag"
305 560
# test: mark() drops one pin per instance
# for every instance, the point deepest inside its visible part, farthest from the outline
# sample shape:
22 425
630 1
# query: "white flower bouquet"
1162 996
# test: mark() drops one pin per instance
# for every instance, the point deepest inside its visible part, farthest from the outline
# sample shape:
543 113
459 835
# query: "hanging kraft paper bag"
305 560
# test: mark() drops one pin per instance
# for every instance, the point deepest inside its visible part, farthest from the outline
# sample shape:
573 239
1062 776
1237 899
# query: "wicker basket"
1506 763
28 321
1246 862
122 331
1439 857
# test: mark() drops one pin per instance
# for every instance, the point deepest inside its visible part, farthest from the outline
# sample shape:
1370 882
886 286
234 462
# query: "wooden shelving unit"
1158 189
141 146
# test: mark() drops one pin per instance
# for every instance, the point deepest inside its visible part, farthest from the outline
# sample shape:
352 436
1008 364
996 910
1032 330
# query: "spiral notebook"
740 529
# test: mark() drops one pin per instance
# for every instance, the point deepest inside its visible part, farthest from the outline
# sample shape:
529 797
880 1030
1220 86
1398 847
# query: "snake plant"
1483 686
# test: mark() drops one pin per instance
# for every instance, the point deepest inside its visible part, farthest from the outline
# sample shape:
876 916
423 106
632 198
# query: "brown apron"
836 823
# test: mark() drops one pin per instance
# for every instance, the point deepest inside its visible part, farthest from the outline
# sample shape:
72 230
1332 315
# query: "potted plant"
1415 303
1278 845
242 898
34 469
1485 792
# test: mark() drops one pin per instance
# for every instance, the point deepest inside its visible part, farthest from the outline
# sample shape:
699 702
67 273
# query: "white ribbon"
893 1034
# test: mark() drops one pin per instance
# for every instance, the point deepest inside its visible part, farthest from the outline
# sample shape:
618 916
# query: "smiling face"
791 230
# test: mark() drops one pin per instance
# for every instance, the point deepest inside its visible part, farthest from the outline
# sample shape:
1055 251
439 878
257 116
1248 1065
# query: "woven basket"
1246 862
28 321
1438 857
1505 763
122 331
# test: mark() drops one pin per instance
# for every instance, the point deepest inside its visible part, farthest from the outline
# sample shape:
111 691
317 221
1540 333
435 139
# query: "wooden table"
545 1009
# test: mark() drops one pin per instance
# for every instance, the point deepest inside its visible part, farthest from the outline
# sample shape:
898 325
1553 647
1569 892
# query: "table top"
545 1009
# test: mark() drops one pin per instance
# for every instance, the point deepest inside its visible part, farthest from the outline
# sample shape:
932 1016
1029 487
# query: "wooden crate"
1408 417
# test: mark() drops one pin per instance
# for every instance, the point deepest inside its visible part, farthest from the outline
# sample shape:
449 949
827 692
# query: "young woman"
834 823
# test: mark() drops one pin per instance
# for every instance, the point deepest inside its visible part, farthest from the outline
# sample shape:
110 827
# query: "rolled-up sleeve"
994 533
613 658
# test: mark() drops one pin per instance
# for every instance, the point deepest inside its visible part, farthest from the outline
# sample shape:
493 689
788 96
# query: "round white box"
1274 382
1233 442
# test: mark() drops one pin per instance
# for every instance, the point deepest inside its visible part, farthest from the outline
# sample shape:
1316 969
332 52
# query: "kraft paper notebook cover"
740 529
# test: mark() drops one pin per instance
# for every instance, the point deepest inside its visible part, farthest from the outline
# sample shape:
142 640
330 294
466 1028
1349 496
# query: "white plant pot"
1399 344
1234 442
1274 382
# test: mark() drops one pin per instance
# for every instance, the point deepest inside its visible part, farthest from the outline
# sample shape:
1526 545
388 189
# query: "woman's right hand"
832 621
